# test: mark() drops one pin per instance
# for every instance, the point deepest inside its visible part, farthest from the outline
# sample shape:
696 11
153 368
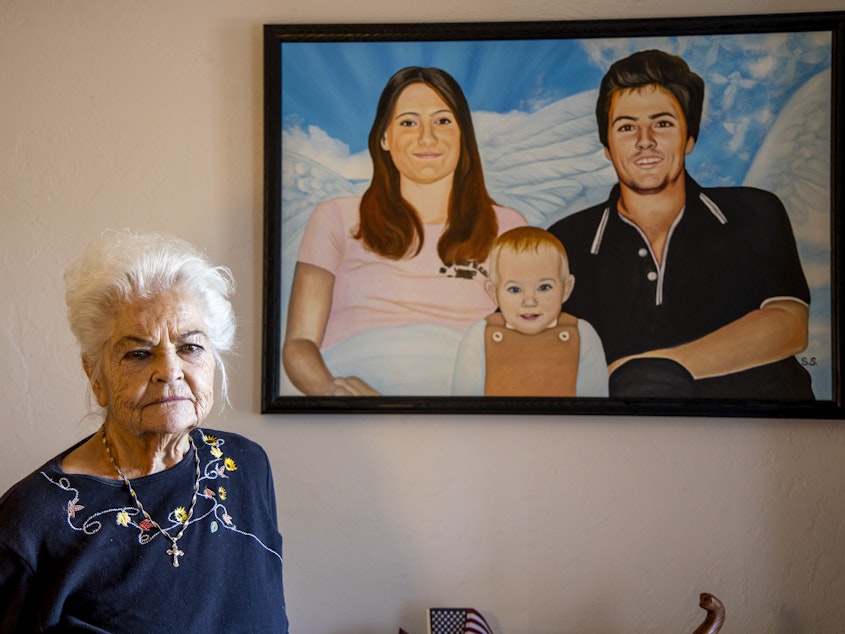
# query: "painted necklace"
173 551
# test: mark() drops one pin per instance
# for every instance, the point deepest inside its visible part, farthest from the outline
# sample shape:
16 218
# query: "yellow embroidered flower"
123 518
181 514
210 440
216 451
222 493
230 465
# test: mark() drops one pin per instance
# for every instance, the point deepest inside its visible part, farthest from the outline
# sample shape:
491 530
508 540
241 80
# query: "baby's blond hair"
522 239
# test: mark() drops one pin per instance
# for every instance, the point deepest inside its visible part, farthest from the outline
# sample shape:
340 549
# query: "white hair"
122 266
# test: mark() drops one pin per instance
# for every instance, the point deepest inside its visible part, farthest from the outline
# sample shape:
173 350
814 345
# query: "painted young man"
695 292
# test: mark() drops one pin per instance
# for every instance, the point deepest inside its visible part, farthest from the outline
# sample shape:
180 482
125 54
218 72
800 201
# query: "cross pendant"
176 554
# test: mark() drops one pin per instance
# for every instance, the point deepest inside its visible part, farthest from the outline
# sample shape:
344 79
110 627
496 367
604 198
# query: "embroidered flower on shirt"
73 507
230 465
122 518
223 493
214 443
145 525
208 493
180 514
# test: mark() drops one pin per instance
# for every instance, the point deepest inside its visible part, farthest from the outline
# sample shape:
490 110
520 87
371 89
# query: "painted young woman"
410 251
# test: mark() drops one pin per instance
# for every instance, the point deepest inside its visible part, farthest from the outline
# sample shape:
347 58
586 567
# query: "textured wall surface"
149 115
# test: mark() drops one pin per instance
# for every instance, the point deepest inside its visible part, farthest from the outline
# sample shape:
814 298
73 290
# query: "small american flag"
456 621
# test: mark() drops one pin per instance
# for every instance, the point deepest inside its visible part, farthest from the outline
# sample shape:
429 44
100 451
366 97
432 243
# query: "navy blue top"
730 251
76 555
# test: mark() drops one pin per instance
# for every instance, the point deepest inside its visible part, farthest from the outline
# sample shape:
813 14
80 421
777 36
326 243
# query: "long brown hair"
389 225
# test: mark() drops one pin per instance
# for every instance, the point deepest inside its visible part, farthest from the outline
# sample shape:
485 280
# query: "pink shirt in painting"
371 291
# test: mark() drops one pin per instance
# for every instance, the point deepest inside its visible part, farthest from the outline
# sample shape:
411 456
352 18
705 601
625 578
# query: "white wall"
149 114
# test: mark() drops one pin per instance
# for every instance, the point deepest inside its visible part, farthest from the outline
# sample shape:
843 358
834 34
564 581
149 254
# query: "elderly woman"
153 523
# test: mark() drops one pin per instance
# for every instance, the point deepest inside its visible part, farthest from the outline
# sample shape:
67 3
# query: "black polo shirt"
729 252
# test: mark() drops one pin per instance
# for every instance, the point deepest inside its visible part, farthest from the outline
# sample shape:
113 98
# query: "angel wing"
305 182
794 163
548 163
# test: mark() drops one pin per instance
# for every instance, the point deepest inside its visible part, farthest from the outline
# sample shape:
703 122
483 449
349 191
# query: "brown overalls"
545 364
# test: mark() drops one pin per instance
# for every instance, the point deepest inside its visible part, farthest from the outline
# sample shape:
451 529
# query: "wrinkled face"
647 138
157 372
530 288
423 136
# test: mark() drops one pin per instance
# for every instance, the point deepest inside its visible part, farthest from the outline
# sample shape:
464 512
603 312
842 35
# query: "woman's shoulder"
42 489
230 442
50 470
339 204
508 218
334 215
20 490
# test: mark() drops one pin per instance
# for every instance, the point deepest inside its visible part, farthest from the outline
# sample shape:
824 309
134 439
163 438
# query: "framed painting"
590 217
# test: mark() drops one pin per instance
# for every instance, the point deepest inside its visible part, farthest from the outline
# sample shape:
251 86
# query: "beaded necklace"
174 550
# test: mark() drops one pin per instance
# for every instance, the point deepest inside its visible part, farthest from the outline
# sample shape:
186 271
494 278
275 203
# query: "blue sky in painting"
334 87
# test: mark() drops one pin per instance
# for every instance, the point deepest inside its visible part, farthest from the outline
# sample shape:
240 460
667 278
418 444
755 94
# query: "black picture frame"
736 31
